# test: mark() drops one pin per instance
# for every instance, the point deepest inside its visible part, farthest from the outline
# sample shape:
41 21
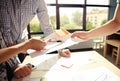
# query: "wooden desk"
109 44
79 62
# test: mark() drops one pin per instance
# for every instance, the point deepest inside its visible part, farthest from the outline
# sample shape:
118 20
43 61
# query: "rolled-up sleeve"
43 17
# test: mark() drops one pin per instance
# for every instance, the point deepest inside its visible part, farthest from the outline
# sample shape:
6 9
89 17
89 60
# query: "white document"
60 34
55 46
97 74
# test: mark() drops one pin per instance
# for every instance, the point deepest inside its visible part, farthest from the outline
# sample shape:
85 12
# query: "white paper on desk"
27 78
96 74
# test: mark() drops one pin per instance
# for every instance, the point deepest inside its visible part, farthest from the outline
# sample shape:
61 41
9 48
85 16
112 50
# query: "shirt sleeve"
43 17
118 1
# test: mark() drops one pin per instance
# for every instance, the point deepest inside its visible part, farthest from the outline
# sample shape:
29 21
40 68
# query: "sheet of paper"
43 64
96 74
74 62
67 43
54 47
38 73
27 78
61 34
50 45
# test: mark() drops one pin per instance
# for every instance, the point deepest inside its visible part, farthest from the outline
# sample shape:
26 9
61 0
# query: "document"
63 35
96 74
54 46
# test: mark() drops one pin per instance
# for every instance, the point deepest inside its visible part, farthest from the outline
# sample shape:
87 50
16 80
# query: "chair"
98 42
116 53
113 45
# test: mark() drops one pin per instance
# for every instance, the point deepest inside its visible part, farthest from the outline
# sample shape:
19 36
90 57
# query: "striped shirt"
15 15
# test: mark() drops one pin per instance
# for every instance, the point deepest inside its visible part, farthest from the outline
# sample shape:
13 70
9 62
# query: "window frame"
84 6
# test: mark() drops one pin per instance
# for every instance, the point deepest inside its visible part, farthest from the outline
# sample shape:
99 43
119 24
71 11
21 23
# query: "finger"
47 40
26 71
74 35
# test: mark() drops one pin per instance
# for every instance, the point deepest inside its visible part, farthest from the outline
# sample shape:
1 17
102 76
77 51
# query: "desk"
114 43
79 64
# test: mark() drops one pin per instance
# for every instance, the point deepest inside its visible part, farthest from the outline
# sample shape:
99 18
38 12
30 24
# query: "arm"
110 27
7 53
43 17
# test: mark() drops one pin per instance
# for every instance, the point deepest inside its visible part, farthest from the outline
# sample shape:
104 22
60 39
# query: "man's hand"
22 71
65 53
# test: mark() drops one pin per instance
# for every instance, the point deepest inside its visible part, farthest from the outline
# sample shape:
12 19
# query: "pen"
33 66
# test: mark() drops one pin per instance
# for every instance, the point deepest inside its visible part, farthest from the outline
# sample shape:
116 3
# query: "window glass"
38 35
98 2
52 15
96 16
71 1
71 18
50 1
35 25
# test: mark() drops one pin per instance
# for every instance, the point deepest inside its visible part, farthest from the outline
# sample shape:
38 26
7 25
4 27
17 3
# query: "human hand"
81 34
22 71
37 44
65 53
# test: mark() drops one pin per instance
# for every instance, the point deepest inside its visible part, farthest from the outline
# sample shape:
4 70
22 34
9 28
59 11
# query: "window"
75 14
71 18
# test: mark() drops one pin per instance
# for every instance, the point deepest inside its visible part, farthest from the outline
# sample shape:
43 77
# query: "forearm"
9 52
107 29
110 27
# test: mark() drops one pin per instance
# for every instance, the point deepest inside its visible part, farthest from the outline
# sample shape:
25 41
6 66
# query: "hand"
81 34
65 53
37 44
22 71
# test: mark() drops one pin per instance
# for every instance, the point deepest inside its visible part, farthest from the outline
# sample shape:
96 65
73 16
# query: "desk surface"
81 61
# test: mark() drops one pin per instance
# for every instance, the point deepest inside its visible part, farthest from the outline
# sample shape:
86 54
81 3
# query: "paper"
74 62
62 35
50 45
53 46
67 43
43 64
38 73
27 78
96 74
